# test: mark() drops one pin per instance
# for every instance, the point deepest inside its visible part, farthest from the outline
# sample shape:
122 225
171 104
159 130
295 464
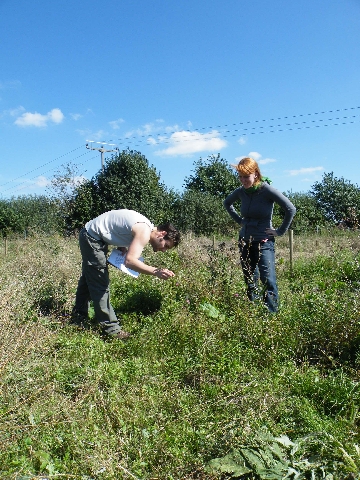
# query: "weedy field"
208 387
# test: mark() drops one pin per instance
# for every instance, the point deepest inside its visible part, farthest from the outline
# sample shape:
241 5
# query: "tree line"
128 181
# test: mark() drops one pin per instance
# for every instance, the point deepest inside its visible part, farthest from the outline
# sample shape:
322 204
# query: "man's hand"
141 237
163 273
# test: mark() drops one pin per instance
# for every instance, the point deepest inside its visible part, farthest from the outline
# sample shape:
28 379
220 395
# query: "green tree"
308 214
62 190
36 213
202 213
200 208
213 176
9 221
29 214
127 181
82 207
336 198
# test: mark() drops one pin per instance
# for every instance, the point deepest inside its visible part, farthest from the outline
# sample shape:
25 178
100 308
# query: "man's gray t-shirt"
114 227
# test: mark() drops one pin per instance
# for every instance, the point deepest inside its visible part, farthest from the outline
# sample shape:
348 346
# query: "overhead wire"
223 130
243 132
195 131
41 166
25 184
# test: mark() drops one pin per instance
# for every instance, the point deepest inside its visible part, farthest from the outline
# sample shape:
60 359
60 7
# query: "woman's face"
247 181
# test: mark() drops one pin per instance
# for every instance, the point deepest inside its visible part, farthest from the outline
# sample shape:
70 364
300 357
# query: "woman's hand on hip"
271 232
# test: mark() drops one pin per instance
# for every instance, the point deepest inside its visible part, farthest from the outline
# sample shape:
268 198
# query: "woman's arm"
288 208
228 204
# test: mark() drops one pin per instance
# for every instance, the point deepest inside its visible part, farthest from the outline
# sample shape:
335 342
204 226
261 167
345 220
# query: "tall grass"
209 386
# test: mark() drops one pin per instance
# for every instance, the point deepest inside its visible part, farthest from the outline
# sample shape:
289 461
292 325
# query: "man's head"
164 237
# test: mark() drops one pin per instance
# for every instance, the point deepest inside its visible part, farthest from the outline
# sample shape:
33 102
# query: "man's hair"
171 233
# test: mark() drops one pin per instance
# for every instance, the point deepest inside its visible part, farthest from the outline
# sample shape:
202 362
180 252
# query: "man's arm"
141 233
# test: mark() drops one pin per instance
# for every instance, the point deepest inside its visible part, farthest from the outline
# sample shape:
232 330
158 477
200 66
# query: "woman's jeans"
258 261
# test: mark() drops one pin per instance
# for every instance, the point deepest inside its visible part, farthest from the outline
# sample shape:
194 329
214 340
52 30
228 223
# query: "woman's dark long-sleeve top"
256 211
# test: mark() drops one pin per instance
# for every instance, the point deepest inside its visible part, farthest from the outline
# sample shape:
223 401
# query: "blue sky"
176 81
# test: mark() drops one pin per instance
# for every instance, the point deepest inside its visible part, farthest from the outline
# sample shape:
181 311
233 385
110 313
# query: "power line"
244 131
193 135
248 131
25 184
300 116
41 166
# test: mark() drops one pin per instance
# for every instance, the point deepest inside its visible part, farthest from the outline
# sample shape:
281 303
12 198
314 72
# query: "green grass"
208 383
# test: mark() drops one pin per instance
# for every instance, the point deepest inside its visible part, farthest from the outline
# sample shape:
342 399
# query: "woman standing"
257 235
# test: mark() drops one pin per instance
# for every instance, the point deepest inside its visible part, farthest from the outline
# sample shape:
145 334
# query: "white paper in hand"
117 259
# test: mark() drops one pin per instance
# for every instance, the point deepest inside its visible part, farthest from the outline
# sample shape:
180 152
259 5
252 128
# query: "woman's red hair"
247 166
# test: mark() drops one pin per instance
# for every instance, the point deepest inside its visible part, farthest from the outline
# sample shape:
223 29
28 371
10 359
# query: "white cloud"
180 141
305 171
187 143
41 181
28 119
152 129
264 161
32 119
75 116
79 179
151 141
115 124
14 112
242 140
98 136
257 157
56 115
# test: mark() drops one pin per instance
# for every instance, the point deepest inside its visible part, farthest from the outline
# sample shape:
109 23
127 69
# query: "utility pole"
102 150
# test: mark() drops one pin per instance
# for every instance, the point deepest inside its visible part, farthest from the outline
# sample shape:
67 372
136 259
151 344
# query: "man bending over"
130 232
